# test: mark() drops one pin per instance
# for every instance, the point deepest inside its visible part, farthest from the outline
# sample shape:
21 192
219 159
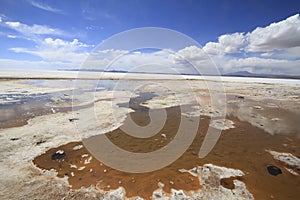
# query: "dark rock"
40 142
273 170
240 97
14 139
73 119
58 155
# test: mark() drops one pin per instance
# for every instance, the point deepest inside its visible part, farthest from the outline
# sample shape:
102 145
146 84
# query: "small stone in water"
273 170
58 155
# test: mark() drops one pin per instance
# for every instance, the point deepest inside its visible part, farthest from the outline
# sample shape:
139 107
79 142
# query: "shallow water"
18 108
242 148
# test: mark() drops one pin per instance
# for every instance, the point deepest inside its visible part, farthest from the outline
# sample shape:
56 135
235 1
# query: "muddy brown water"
242 148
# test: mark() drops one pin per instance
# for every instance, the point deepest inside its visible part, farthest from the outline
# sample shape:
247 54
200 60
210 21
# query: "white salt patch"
222 172
182 170
206 110
222 124
158 194
275 119
258 107
53 111
178 194
193 172
117 194
84 155
214 189
170 100
73 166
81 168
160 185
287 158
60 152
87 161
77 147
292 171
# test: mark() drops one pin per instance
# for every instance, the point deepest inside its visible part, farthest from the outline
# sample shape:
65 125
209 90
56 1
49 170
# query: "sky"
255 36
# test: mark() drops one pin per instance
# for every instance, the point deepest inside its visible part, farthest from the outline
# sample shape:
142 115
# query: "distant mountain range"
235 74
248 74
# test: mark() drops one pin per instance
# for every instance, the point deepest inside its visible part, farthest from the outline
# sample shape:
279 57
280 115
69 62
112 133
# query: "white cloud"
291 53
12 36
28 64
197 60
192 53
271 49
59 44
48 49
58 50
35 29
44 6
280 35
228 43
277 36
161 61
155 62
274 49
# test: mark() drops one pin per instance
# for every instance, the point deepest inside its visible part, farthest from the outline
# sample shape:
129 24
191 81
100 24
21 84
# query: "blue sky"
238 35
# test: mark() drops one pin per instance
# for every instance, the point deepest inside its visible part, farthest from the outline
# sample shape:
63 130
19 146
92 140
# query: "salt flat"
268 108
49 74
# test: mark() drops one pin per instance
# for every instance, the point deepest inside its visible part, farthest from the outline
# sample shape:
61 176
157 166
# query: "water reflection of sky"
17 107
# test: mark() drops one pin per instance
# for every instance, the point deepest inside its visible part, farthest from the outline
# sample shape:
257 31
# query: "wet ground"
243 147
17 108
261 124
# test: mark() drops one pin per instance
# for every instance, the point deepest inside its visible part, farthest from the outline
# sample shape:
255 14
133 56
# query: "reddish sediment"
135 184
229 182
242 148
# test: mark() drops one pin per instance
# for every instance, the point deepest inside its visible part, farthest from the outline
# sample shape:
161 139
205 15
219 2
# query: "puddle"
18 108
241 148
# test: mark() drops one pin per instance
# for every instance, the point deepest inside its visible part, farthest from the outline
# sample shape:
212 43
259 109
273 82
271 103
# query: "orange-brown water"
242 148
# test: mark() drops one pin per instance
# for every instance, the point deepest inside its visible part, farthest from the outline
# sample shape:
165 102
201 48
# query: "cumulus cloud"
280 35
191 53
271 49
58 50
277 36
137 61
228 43
48 48
58 44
